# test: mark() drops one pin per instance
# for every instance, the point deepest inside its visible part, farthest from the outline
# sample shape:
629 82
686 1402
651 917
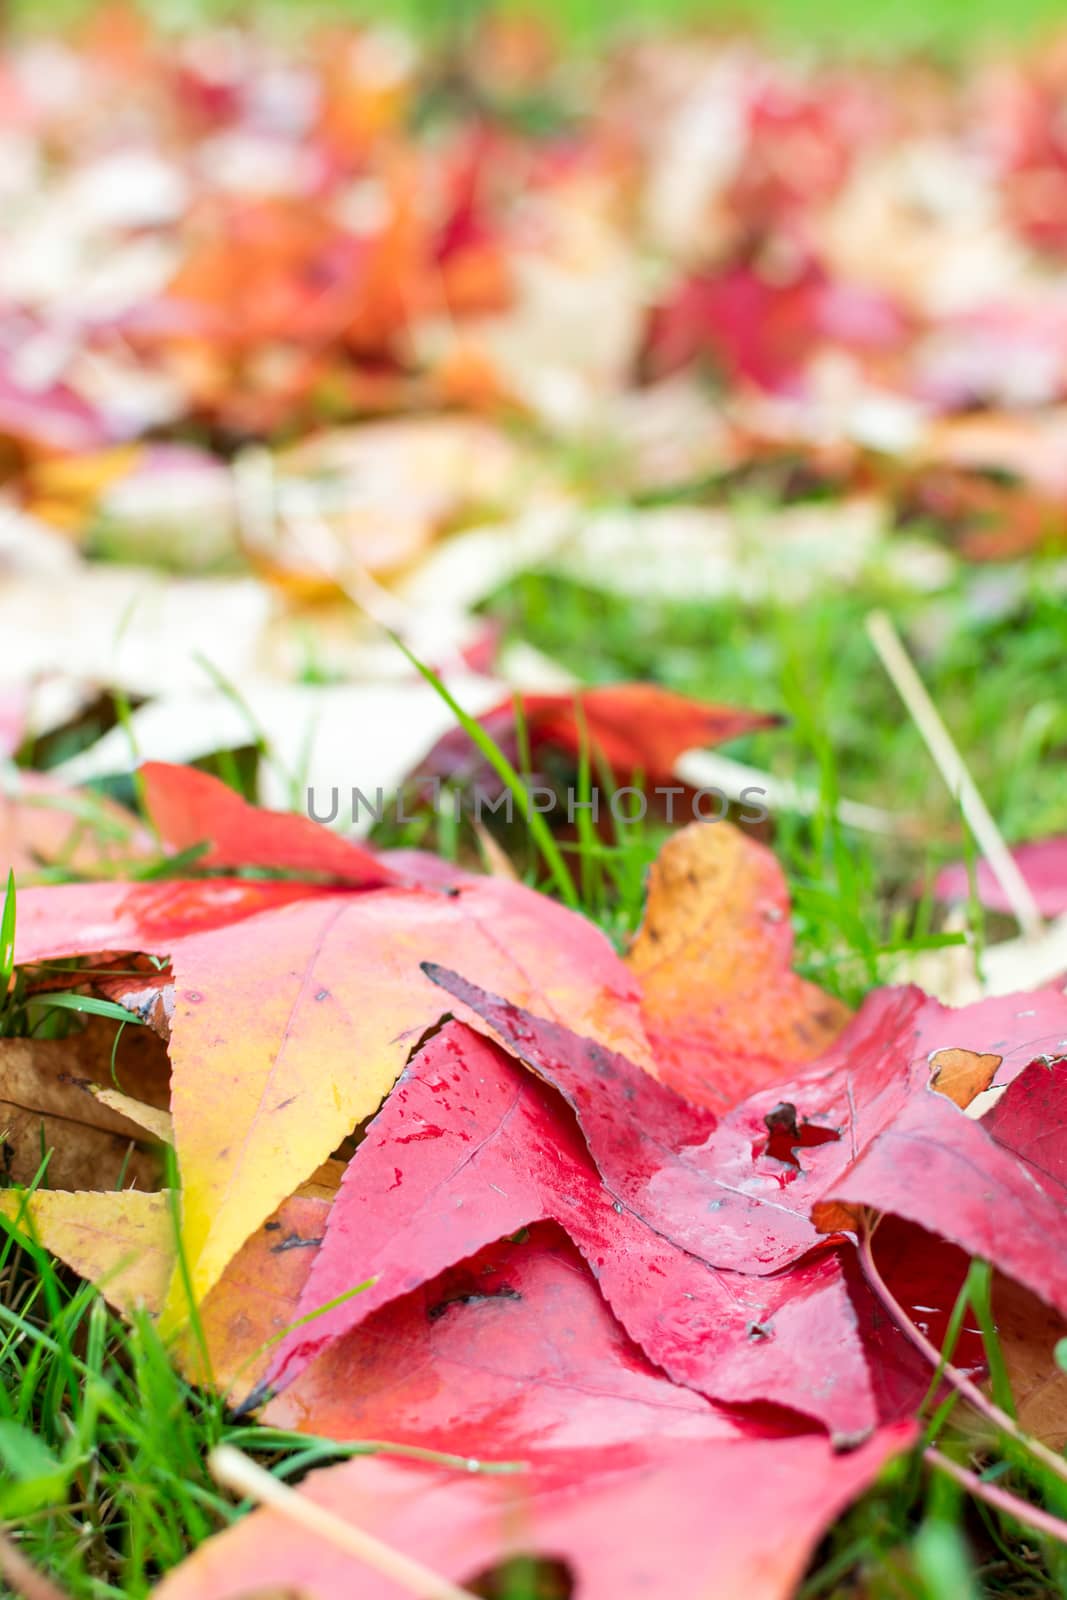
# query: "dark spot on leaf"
271 1227
600 1061
323 994
505 1292
293 1241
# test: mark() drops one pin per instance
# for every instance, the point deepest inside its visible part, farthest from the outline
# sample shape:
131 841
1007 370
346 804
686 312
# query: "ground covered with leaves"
533 1042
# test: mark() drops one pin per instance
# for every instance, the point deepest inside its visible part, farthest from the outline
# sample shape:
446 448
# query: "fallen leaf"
124 1242
763 331
190 808
1018 1026
1043 864
630 728
331 978
1028 1331
757 1170
723 1009
265 1031
257 1298
154 1121
685 1525
84 919
473 1363
492 1151
775 1156
47 1107
43 823
925 1275
1026 1119
937 1167
120 1240
56 1137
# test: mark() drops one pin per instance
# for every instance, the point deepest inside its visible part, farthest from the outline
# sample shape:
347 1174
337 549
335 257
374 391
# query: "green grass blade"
506 773
7 934
89 1005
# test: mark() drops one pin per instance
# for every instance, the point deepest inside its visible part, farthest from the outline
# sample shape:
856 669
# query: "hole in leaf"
525 1578
786 1136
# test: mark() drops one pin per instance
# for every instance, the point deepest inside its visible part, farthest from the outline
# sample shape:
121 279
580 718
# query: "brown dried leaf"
960 1075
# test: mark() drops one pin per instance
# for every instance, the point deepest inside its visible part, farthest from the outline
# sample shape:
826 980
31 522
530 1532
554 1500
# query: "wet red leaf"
75 919
924 1275
511 1354
940 1168
659 1516
469 1148
677 1166
1028 1121
672 1164
190 808
630 728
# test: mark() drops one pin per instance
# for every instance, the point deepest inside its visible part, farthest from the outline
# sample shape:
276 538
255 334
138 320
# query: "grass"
103 1444
944 27
992 664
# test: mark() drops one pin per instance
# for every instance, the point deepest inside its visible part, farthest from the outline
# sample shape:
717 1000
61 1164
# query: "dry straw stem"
232 1468
897 663
1009 1504
1043 1522
22 1578
959 1380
